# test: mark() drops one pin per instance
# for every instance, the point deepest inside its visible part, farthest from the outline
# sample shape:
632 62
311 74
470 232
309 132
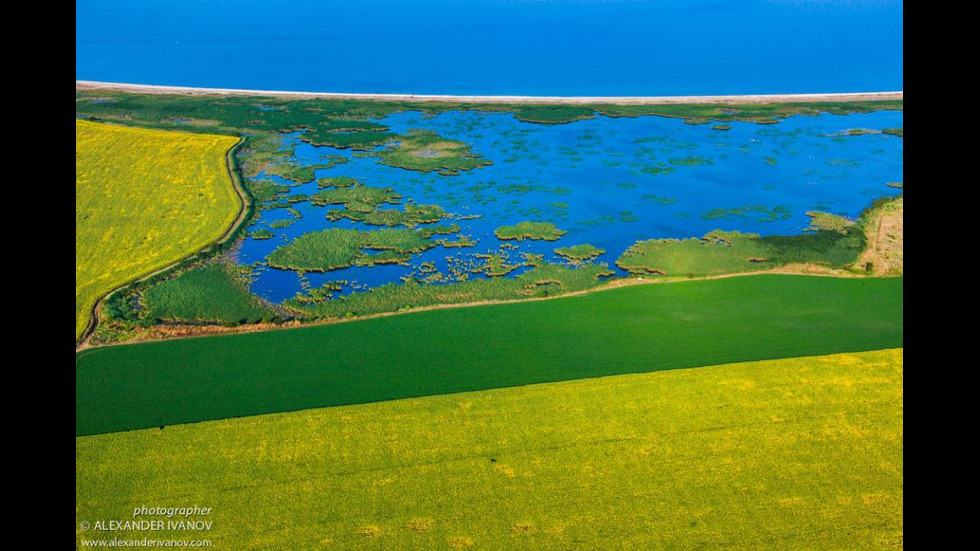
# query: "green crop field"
804 453
631 329
144 199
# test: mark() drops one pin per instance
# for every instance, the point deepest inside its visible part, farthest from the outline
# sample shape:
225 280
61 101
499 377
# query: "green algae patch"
535 231
759 213
426 151
690 160
338 248
659 199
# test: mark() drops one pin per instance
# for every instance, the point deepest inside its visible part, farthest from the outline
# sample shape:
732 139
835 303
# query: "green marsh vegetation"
290 170
554 114
265 191
537 231
225 113
261 234
358 141
412 216
439 229
542 280
831 242
282 224
758 113
580 253
358 197
426 151
636 328
346 124
824 221
214 293
337 181
512 468
337 248
495 264
462 241
347 134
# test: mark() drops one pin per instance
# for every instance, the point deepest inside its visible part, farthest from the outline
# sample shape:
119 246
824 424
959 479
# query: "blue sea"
525 47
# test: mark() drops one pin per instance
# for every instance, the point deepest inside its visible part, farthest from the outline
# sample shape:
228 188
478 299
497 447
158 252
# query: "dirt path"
243 197
546 100
886 239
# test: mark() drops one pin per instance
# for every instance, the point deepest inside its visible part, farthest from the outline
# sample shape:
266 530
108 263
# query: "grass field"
632 329
143 199
804 453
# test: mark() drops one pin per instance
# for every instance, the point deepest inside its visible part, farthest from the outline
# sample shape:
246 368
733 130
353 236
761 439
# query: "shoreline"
88 85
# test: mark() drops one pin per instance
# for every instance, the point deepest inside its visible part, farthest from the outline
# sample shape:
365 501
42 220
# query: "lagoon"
608 182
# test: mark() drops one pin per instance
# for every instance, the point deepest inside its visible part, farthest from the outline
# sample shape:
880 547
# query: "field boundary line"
244 213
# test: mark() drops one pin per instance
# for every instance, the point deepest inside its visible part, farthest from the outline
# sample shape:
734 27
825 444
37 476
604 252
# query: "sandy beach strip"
88 85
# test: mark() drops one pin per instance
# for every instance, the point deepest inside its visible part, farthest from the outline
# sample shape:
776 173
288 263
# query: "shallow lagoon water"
609 182
503 47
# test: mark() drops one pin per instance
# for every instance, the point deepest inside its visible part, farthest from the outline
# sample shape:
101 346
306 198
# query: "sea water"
502 47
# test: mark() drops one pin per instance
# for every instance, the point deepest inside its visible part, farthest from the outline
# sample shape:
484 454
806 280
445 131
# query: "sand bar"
545 100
